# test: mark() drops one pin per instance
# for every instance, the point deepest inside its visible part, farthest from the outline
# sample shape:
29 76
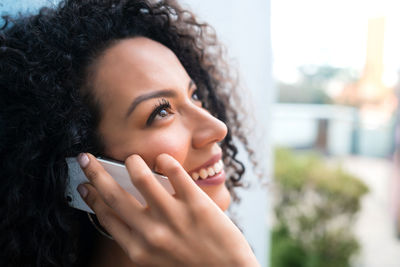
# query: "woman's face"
149 106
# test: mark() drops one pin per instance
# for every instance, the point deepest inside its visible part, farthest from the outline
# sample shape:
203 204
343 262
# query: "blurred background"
322 78
335 133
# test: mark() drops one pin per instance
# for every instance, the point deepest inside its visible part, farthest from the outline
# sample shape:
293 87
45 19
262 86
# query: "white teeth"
195 176
218 166
203 174
210 171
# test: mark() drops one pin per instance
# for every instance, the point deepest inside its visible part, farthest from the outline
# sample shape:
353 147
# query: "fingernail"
83 160
82 190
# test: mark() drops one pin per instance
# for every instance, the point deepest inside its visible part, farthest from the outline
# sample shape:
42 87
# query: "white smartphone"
117 170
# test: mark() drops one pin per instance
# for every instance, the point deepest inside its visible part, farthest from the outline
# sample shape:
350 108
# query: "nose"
207 129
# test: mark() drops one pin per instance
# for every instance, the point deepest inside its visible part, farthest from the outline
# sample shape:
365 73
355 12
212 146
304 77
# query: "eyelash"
162 104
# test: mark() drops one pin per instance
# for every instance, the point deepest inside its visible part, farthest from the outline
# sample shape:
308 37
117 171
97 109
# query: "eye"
160 111
163 113
196 97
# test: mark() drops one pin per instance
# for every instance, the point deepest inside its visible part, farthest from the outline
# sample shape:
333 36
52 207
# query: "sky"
332 32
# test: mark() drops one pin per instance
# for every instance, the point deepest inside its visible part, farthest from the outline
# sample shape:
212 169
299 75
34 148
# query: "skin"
188 228
138 66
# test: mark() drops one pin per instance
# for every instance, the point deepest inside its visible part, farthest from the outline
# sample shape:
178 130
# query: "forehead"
136 65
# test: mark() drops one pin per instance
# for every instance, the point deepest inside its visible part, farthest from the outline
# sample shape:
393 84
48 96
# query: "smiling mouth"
208 171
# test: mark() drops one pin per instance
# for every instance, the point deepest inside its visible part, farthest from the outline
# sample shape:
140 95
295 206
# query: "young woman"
135 81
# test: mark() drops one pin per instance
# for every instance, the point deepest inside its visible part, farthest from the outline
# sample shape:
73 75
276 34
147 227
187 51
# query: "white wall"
244 27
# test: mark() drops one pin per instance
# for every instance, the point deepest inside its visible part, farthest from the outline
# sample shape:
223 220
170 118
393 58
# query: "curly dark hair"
47 115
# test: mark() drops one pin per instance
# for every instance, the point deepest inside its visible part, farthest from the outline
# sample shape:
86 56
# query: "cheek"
173 143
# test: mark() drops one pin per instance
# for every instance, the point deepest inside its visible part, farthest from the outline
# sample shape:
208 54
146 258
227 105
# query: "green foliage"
315 206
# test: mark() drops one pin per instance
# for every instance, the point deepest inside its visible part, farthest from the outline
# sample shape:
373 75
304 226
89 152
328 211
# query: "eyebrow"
155 94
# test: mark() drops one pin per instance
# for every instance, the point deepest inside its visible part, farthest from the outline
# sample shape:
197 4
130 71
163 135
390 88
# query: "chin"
220 196
224 205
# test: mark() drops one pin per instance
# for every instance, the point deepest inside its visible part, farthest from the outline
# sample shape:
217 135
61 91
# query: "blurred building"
370 89
364 126
376 102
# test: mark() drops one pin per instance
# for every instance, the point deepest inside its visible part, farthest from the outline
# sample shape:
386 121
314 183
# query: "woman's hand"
185 229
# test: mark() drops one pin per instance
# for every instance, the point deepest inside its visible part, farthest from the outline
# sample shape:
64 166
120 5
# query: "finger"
110 221
143 178
126 206
183 184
